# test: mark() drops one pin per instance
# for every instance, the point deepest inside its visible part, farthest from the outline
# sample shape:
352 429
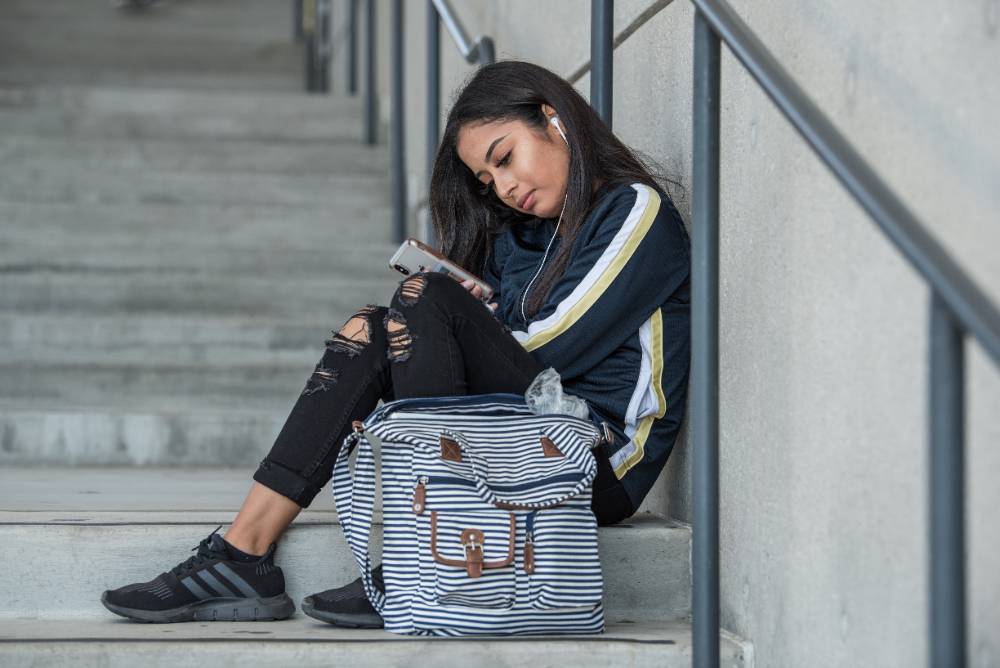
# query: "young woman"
590 263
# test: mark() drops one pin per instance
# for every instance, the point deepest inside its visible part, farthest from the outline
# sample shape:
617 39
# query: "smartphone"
414 256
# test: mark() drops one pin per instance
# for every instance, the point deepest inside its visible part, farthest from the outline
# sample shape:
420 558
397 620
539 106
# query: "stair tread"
120 642
116 99
138 521
164 495
298 627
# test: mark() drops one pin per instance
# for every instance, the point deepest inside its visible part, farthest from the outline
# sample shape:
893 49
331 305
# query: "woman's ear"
548 110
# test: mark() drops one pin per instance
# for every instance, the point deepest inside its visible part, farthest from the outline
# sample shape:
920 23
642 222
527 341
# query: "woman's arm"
633 254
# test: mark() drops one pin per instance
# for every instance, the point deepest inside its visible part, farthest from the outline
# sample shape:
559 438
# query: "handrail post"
705 345
486 51
324 47
398 148
297 34
309 44
602 14
947 632
433 97
369 100
352 47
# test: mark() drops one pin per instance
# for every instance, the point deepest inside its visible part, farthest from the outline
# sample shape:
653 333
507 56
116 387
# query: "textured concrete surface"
229 44
178 234
303 641
137 522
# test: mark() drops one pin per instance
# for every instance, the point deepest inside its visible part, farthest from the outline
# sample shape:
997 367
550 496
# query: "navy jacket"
616 326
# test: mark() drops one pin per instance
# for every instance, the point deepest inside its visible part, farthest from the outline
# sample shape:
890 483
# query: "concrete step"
181 339
231 431
302 641
178 104
331 299
284 80
238 43
135 114
199 155
58 383
129 186
109 527
256 122
116 255
89 430
211 224
219 20
155 357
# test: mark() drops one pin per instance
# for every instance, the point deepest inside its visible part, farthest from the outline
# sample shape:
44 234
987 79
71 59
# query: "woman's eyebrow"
490 152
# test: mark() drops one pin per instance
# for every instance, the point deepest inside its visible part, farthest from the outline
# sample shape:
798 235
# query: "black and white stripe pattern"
502 462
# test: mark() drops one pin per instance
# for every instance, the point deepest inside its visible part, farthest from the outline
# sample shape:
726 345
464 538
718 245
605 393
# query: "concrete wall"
824 373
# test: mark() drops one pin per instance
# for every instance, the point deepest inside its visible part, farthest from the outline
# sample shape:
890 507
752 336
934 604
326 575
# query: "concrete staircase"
179 232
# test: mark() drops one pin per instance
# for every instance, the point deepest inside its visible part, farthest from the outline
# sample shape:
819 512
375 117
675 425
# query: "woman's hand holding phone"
477 292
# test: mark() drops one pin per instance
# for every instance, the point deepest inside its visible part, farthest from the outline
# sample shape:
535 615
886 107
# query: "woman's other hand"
474 288
477 292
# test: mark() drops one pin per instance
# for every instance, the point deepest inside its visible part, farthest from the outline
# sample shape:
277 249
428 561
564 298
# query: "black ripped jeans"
434 340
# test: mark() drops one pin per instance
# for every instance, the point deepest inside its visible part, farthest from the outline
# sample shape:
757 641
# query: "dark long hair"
466 221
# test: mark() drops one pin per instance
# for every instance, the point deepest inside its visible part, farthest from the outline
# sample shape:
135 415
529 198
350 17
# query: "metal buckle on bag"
472 541
608 436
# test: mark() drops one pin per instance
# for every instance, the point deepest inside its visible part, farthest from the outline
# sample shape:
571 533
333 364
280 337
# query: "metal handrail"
481 51
910 237
957 305
655 8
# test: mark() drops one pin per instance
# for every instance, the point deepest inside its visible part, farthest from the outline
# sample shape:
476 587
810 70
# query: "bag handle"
581 457
355 499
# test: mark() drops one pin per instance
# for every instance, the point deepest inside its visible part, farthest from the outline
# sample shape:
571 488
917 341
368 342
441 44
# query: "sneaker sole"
213 610
344 620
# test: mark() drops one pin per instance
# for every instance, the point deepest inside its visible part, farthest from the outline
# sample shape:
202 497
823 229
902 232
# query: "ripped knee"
411 289
400 339
355 334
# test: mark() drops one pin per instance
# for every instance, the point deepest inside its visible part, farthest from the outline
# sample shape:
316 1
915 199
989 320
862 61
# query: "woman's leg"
435 339
443 341
346 384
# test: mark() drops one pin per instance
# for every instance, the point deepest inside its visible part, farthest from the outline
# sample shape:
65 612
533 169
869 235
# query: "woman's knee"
359 332
426 287
419 296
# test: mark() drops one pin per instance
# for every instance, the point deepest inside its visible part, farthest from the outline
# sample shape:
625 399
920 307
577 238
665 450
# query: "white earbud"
555 121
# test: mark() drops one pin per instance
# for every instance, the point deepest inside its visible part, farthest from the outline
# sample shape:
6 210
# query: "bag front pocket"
473 556
561 558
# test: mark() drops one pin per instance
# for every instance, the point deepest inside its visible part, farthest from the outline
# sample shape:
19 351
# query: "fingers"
474 288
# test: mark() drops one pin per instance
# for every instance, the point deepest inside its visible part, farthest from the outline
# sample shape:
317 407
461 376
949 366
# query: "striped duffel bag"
487 520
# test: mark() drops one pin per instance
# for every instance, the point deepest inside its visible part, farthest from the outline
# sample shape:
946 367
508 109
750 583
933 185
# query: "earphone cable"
524 296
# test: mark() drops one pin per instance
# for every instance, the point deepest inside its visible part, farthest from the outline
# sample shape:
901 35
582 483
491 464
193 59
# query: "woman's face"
526 171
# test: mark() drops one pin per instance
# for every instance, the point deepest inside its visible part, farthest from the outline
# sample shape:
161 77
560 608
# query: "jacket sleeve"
627 260
491 272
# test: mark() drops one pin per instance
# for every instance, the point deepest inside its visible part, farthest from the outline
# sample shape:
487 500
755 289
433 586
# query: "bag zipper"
420 488
529 543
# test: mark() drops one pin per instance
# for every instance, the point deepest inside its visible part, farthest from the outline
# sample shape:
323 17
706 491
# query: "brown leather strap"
473 539
549 448
450 450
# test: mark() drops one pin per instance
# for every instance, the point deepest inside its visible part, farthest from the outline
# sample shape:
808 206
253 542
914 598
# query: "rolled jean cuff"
286 482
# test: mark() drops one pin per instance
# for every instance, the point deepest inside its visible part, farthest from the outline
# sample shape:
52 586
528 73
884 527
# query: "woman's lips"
527 201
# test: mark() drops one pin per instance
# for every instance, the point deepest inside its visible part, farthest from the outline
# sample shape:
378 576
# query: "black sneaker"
346 606
208 587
